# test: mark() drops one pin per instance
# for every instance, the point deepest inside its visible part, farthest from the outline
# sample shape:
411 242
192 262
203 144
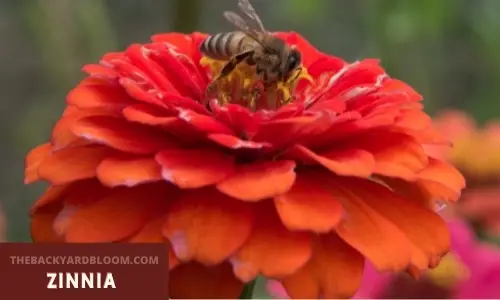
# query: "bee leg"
230 65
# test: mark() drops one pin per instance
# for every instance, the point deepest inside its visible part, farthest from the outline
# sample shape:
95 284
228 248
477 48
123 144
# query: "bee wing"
239 22
248 9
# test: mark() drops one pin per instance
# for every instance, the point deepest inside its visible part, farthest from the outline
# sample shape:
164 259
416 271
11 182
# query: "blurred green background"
447 49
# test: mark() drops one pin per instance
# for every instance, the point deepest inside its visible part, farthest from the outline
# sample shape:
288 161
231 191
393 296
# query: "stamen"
243 87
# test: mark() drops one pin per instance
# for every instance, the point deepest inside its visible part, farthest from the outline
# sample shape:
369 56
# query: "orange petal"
147 114
350 162
94 92
308 206
367 231
51 195
72 164
121 134
195 281
128 171
33 161
41 227
207 226
396 154
119 215
152 233
258 181
424 228
272 250
441 180
334 271
195 168
62 135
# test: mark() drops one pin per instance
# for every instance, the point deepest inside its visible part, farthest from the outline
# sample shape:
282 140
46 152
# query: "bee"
273 59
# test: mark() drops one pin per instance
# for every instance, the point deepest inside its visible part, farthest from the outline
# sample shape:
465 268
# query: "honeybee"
252 44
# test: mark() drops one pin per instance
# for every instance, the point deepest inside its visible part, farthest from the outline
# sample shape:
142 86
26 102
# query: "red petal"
308 206
258 181
233 142
121 135
194 168
284 131
320 278
349 162
147 114
71 164
183 78
271 250
207 226
33 160
51 195
98 93
239 118
204 123
128 171
117 216
61 134
41 226
195 281
100 71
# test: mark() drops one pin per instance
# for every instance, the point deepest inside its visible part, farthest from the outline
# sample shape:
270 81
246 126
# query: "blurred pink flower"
477 277
471 270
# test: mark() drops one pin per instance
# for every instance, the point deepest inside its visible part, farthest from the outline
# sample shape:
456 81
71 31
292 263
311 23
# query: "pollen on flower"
242 86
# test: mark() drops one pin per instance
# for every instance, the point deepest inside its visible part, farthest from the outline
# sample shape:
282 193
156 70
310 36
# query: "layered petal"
430 237
258 181
121 135
67 165
308 206
271 249
33 160
334 271
207 226
366 230
194 168
128 170
118 215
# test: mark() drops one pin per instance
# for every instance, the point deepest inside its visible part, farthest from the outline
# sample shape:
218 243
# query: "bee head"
294 60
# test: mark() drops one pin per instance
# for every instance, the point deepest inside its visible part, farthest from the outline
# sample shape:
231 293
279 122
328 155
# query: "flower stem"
248 290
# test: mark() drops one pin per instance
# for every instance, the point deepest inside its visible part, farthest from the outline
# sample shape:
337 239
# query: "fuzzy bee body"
224 45
274 60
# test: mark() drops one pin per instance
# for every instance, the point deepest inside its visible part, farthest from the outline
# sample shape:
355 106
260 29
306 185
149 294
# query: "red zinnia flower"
302 191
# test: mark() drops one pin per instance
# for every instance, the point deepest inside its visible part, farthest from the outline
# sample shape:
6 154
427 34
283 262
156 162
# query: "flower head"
470 270
295 183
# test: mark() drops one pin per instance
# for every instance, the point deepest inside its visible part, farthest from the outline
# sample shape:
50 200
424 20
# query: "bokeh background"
449 50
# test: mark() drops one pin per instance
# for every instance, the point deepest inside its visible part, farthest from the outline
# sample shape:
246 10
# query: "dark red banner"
83 271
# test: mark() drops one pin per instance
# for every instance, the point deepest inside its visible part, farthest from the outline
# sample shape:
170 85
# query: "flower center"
450 271
242 86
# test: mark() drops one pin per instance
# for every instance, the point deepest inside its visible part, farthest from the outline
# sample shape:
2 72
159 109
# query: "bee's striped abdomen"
224 45
215 46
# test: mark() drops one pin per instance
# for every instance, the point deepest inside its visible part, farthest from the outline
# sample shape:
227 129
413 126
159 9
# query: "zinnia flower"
476 153
470 271
300 189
